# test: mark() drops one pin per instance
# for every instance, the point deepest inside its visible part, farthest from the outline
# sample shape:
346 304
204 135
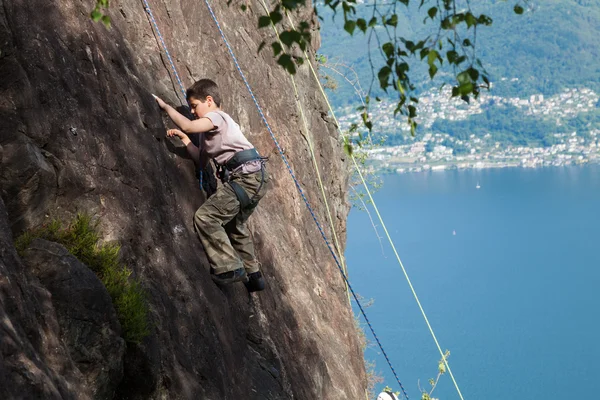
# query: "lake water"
508 274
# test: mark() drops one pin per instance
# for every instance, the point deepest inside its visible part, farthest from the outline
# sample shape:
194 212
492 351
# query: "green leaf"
463 78
470 20
365 117
392 21
432 70
372 22
362 24
465 88
398 109
384 76
348 148
96 15
432 56
446 24
106 20
401 70
451 55
518 9
349 26
484 20
473 73
412 111
388 49
432 12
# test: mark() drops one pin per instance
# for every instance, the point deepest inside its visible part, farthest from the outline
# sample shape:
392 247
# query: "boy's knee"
203 220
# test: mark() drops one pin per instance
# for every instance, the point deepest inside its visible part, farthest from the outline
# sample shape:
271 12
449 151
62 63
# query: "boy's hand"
176 132
160 102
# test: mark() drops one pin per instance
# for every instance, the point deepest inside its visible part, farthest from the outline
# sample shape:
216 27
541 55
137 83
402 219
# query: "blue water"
514 295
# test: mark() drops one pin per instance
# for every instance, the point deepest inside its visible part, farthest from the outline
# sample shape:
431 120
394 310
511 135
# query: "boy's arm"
192 150
196 126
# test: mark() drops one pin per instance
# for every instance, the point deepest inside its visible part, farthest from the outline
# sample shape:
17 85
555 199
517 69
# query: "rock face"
79 132
35 364
88 322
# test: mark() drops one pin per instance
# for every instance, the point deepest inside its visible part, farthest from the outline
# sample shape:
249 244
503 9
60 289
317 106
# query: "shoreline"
412 168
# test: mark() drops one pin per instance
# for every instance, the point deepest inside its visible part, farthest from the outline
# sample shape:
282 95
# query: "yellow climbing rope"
308 136
356 166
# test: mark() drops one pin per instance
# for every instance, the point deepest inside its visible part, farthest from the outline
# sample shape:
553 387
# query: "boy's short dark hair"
203 88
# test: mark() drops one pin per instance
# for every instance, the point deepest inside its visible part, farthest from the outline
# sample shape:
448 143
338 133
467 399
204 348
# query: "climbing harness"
308 206
293 176
234 164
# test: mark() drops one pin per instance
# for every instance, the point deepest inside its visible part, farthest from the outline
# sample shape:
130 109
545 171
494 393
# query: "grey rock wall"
79 132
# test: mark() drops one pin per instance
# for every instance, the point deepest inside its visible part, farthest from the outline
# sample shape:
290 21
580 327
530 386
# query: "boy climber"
221 221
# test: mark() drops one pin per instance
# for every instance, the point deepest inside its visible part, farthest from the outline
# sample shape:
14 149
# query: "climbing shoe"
255 282
230 277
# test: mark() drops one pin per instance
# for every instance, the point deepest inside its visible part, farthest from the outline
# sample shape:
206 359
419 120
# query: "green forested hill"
552 47
555 46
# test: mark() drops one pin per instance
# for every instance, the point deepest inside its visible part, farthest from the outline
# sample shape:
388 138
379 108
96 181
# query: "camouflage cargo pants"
221 226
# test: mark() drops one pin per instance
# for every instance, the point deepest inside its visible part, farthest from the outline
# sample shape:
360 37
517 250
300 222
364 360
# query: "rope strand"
289 168
164 46
383 225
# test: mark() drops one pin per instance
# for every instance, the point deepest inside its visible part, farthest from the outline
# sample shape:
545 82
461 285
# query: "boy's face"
199 108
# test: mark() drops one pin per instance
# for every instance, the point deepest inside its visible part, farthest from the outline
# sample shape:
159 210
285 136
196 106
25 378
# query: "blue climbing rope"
164 46
289 168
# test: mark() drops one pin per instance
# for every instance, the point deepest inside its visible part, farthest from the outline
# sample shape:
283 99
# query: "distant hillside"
553 47
547 50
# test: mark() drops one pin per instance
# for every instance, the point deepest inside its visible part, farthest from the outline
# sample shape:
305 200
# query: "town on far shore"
437 151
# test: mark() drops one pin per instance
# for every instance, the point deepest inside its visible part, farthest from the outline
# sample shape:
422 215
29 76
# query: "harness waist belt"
242 157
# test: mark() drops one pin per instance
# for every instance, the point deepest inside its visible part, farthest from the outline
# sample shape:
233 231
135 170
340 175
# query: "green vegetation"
426 394
448 43
98 13
552 46
508 124
373 379
81 239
